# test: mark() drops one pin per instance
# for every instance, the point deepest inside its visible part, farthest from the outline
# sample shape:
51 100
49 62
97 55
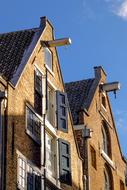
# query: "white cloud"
122 10
117 7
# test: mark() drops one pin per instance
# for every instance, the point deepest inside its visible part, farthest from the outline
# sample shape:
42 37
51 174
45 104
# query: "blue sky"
98 29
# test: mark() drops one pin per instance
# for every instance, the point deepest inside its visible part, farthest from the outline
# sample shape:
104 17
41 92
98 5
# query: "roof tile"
77 93
12 48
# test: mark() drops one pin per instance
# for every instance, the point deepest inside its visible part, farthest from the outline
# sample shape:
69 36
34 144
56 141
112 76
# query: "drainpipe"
43 153
2 139
86 134
43 134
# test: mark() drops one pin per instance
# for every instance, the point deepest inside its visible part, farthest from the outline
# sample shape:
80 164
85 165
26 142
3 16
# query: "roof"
77 93
13 45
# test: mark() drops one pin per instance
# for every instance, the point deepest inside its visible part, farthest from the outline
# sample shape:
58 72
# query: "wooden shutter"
37 182
61 99
65 162
38 91
44 93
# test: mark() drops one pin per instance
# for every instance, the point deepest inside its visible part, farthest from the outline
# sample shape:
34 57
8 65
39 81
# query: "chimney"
43 21
100 73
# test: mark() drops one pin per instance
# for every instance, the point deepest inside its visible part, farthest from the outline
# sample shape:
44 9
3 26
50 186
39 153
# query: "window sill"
103 108
106 157
33 137
50 71
50 127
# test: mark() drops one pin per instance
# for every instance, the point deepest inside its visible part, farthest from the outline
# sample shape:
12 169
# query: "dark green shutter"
62 123
65 162
37 182
38 92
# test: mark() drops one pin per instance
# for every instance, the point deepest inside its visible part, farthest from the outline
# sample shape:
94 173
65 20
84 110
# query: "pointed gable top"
15 50
77 93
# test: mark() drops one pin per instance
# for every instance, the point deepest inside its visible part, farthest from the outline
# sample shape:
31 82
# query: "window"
48 58
51 106
22 173
65 162
103 101
28 177
107 179
106 139
62 111
121 185
51 164
33 125
38 91
93 157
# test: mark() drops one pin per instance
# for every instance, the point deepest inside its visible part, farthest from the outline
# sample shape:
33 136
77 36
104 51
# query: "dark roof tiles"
12 48
77 93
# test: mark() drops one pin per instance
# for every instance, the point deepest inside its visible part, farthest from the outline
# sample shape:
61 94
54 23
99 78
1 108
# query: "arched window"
106 139
108 181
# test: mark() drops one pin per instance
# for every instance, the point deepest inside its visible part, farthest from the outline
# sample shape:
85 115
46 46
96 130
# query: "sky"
98 30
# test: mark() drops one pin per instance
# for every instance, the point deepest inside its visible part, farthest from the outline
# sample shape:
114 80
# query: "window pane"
38 81
106 139
48 58
107 180
22 172
51 106
50 155
33 124
104 101
38 103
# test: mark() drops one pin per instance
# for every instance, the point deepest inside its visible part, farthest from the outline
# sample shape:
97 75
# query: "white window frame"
108 159
54 141
107 180
49 125
50 68
50 129
54 104
28 164
27 130
103 95
105 140
38 72
54 180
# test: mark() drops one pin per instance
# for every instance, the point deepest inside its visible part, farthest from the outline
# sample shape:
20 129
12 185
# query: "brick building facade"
104 165
38 149
44 142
